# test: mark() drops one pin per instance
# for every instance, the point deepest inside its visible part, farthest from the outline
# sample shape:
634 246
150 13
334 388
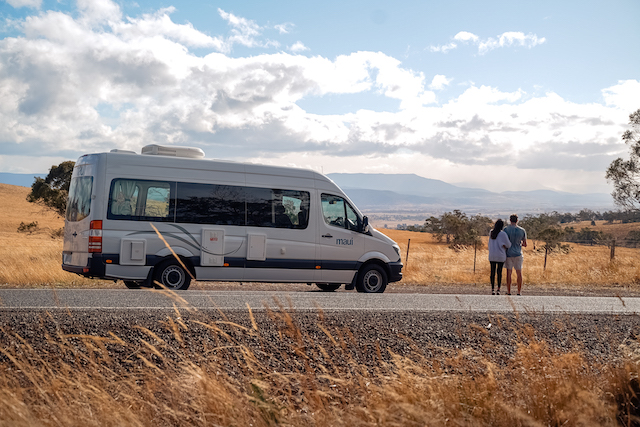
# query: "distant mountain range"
413 193
410 193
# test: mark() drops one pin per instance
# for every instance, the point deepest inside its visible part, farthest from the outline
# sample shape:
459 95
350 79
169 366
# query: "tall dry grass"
228 374
433 262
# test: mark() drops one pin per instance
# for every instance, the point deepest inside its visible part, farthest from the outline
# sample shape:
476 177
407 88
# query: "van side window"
338 213
277 208
296 207
140 200
195 203
210 204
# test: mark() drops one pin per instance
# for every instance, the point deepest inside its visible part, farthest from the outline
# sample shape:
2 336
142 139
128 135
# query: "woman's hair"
497 228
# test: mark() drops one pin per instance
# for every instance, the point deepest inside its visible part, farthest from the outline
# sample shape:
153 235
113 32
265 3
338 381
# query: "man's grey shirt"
516 235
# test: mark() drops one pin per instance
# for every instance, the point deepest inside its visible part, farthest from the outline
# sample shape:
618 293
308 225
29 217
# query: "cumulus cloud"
298 47
625 95
97 80
507 39
439 82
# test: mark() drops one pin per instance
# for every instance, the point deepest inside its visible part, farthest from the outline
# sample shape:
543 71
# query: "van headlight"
397 249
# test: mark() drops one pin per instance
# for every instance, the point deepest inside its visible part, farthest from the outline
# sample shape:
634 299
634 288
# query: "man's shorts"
514 262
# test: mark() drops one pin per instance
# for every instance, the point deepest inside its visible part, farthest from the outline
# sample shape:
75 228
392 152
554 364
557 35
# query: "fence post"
546 252
613 249
406 262
475 251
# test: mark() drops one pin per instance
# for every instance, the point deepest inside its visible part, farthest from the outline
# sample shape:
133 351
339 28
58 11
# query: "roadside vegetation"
190 370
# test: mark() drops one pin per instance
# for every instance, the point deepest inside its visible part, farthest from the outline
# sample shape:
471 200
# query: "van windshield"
79 203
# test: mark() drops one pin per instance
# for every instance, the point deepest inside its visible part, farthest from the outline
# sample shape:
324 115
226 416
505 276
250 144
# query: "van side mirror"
365 224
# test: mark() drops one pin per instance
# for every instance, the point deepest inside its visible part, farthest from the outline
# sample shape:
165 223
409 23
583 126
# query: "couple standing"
505 248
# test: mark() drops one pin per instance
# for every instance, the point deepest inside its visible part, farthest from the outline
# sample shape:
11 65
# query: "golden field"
430 262
33 259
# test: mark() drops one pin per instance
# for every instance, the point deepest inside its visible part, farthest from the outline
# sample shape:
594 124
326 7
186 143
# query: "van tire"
372 279
328 287
130 284
171 275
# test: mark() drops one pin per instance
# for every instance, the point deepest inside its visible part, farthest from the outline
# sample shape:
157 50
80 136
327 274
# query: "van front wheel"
372 279
170 275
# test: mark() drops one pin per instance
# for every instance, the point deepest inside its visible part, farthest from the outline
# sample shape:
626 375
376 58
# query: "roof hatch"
171 151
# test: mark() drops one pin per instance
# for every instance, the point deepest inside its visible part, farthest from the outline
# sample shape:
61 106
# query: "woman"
498 245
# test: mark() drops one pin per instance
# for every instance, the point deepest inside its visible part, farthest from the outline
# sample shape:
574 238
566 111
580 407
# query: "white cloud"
284 28
298 47
439 82
33 4
160 24
97 11
465 36
507 39
625 95
443 48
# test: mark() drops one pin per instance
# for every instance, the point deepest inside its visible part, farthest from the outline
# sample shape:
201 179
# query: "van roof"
130 158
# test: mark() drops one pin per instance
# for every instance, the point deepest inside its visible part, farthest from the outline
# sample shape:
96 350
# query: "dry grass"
616 229
32 260
431 262
233 375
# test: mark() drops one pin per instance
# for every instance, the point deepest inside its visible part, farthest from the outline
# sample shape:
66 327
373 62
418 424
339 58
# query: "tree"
458 228
625 174
551 237
53 191
536 225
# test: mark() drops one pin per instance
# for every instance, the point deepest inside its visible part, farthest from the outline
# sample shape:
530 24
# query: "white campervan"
168 215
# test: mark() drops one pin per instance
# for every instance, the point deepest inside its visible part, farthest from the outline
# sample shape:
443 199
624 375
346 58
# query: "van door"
340 241
280 236
76 251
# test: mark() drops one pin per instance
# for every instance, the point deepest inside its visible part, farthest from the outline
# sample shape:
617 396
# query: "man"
518 238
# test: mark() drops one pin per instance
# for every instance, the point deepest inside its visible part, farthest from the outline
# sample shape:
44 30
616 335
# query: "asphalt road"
148 299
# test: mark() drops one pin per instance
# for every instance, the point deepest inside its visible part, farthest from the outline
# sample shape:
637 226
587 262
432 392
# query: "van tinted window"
208 204
277 208
141 200
79 202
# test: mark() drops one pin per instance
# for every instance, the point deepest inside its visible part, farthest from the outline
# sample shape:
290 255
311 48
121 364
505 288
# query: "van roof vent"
163 150
119 150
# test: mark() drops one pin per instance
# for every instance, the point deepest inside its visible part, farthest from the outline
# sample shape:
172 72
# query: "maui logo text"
345 242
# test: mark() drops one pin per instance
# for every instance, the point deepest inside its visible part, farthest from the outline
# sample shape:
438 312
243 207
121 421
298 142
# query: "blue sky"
499 95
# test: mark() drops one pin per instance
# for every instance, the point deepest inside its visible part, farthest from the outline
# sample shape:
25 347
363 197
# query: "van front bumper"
395 270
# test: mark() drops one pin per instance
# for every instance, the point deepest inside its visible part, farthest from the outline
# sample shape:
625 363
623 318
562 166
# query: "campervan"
168 215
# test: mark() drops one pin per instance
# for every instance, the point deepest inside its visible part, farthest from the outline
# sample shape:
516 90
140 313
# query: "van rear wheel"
328 287
171 275
372 279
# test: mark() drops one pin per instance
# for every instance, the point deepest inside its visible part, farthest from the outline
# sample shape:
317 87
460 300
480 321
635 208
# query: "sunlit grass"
208 372
430 262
